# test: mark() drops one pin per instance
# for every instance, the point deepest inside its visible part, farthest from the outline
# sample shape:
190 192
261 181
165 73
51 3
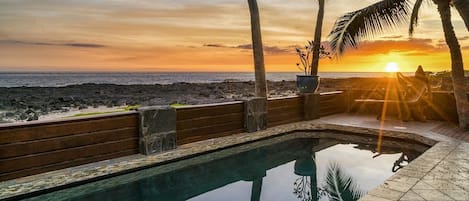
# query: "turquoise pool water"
270 170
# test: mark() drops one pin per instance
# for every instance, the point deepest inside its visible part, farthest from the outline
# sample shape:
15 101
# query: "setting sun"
392 67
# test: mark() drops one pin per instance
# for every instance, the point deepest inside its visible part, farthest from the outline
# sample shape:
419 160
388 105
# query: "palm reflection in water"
339 185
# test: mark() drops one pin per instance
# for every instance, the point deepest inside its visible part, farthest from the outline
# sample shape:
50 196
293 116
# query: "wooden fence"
31 148
36 147
284 110
441 108
332 103
195 123
201 122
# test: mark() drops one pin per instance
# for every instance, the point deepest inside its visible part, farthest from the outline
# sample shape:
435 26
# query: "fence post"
311 106
157 128
255 114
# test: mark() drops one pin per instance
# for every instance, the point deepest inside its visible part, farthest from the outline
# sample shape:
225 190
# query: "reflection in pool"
270 170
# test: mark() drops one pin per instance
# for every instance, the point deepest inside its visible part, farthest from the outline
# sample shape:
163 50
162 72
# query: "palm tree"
353 26
463 8
317 39
258 52
341 186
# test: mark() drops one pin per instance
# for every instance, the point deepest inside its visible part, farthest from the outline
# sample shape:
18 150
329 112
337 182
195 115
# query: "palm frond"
353 26
463 8
341 186
414 17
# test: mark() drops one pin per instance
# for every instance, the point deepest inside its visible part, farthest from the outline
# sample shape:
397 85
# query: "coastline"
32 103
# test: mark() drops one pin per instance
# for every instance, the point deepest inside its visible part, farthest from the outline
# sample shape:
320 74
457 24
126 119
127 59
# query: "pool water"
270 170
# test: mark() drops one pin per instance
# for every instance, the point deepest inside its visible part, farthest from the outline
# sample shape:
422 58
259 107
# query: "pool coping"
14 189
425 178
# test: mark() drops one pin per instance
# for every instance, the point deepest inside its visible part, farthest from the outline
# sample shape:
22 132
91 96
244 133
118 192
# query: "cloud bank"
78 45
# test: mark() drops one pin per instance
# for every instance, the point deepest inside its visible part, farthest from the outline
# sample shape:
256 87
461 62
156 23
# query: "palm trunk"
256 189
261 85
314 180
317 39
457 66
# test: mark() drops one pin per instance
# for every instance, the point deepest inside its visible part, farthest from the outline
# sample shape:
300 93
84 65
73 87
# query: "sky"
210 35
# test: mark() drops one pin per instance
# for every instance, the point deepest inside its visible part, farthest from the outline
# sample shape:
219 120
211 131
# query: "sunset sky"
193 35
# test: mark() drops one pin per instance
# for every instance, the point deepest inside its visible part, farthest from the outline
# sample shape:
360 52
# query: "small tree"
306 57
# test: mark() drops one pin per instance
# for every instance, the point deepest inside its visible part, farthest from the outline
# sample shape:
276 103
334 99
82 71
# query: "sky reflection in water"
235 174
368 172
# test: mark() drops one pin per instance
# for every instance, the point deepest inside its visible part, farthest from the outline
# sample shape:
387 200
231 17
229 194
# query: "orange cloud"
270 50
170 35
409 46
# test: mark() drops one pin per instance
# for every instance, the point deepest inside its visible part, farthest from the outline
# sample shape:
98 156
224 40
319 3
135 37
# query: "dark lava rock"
42 100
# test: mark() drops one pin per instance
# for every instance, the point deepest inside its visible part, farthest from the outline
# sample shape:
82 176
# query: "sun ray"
382 117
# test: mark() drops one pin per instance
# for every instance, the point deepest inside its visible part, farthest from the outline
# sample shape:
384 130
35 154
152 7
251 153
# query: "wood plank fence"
36 147
201 122
441 108
332 103
284 110
31 148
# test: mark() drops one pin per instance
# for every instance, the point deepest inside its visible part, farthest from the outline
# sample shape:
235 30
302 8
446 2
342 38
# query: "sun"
391 67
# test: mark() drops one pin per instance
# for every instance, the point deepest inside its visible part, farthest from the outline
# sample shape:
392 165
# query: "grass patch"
131 107
176 105
123 109
94 113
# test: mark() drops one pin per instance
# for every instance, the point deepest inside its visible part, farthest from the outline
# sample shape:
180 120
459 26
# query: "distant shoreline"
31 103
60 79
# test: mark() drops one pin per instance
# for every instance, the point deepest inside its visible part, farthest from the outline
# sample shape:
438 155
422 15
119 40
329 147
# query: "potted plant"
309 82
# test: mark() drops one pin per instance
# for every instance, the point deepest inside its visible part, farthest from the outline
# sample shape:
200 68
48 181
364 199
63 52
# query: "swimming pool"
272 169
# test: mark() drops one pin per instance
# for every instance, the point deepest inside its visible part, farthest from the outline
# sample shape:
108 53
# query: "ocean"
57 79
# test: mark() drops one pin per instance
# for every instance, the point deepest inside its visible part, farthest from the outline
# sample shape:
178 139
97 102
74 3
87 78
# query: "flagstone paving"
441 173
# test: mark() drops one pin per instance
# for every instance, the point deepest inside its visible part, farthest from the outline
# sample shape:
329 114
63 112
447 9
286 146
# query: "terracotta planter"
307 83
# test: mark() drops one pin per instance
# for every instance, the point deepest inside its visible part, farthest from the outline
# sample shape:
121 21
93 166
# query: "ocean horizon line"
183 72
58 79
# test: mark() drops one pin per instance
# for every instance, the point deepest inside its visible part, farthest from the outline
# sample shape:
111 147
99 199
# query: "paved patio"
441 173
437 130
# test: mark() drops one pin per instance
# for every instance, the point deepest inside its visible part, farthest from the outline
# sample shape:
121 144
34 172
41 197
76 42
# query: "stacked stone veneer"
158 124
157 129
311 106
255 114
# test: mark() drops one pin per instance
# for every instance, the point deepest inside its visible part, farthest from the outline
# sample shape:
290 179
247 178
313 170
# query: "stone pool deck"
441 173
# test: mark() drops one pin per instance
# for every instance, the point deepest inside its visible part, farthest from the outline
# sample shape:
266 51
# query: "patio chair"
413 99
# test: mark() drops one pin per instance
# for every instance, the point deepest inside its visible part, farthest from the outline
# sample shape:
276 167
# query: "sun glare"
392 67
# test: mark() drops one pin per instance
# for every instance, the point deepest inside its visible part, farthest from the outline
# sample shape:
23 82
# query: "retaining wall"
41 146
36 147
